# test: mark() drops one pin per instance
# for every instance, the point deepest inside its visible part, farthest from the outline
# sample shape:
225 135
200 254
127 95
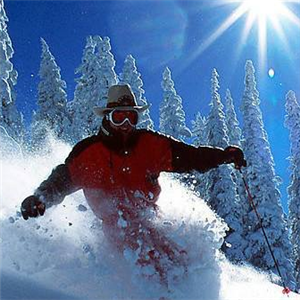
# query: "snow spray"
64 254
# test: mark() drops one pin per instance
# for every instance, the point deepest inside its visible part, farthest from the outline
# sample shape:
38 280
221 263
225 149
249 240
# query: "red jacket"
117 176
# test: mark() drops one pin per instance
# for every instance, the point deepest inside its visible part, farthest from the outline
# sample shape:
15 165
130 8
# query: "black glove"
235 155
32 207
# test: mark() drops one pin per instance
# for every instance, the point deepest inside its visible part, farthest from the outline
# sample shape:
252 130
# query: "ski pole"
285 290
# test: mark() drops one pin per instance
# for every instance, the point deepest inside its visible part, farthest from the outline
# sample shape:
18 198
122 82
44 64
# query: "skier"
118 171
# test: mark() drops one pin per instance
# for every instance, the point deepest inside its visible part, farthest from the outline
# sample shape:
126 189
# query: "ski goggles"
119 116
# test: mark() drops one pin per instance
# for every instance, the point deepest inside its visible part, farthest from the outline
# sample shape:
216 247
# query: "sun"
264 8
265 16
262 13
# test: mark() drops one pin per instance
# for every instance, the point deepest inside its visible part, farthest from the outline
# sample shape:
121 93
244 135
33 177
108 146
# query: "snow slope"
64 255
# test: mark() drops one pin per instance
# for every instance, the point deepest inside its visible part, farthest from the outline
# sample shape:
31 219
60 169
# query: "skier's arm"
51 191
56 187
186 157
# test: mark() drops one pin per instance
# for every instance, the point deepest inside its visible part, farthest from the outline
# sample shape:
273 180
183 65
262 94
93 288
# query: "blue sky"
177 34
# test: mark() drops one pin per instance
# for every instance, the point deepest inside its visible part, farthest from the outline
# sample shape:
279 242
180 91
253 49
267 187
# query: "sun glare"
262 13
263 8
265 16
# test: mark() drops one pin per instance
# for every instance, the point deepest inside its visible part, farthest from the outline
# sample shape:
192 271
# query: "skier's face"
123 120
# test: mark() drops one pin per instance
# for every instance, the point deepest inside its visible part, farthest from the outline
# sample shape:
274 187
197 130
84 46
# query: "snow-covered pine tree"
263 184
216 126
70 110
234 137
107 63
51 116
234 131
10 118
131 76
86 95
199 130
171 113
223 197
292 122
97 75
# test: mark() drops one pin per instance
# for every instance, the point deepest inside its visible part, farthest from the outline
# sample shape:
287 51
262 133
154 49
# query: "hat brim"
102 111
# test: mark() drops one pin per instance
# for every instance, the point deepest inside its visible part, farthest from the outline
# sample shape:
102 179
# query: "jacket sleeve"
186 158
56 187
179 157
59 184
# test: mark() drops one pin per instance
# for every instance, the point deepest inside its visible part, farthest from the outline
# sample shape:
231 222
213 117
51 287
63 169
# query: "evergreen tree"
223 196
131 76
232 123
86 95
97 75
292 122
70 109
234 137
10 118
51 116
199 130
172 116
263 184
216 126
107 63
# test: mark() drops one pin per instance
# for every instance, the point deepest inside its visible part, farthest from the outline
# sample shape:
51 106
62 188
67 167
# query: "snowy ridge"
64 255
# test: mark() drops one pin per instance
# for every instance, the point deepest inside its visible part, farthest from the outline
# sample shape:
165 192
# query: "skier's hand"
235 155
32 207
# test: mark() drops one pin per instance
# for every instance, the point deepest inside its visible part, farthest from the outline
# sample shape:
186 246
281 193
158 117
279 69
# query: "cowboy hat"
121 97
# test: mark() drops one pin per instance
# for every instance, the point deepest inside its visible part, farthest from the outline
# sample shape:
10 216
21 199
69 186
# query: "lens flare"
271 73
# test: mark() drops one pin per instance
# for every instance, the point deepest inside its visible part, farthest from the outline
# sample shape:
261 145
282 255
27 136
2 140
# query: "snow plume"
64 255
